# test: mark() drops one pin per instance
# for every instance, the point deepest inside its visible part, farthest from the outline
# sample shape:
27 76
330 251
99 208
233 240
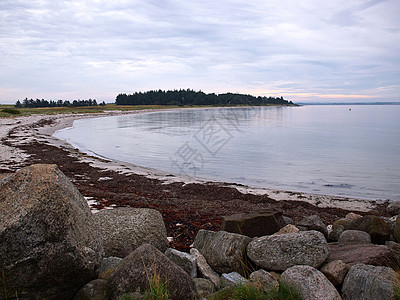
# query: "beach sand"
187 204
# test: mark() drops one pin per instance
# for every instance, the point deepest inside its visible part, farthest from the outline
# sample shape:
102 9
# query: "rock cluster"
53 247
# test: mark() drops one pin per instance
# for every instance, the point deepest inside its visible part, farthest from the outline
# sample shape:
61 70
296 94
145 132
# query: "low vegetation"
252 291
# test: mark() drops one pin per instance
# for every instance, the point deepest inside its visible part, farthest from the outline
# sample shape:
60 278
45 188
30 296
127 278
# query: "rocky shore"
53 247
186 205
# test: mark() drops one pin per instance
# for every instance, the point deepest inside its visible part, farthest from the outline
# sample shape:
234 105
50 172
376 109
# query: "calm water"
319 149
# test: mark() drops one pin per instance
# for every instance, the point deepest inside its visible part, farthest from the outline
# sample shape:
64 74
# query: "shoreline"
63 121
186 204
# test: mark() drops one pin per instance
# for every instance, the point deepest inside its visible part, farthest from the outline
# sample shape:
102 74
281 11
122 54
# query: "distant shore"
27 140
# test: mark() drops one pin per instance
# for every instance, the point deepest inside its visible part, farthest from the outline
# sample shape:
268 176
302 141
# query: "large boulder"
145 265
310 283
349 237
280 252
377 228
369 283
254 224
125 229
378 255
225 252
49 246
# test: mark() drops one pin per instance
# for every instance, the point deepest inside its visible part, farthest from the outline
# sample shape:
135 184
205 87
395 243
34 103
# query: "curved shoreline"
44 134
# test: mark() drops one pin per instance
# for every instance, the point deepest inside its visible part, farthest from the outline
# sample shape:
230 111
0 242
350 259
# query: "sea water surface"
341 150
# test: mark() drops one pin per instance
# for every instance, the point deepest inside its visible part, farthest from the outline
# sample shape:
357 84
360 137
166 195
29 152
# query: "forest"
30 103
190 97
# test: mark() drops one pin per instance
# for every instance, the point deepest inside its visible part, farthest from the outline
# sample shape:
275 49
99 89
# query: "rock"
352 237
204 268
49 247
204 287
396 229
368 254
369 283
255 224
184 260
232 279
377 228
345 223
287 229
224 251
313 222
352 217
284 251
335 233
335 271
95 290
393 208
141 267
265 280
108 266
124 229
310 283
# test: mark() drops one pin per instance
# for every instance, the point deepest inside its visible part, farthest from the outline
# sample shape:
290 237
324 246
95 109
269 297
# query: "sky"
305 51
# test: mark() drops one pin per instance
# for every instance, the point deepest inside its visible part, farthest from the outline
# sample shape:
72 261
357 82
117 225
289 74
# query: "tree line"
31 103
190 97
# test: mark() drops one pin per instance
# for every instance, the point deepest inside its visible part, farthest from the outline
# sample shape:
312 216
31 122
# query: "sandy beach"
187 204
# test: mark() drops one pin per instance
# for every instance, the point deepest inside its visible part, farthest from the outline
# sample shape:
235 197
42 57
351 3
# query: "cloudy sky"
309 50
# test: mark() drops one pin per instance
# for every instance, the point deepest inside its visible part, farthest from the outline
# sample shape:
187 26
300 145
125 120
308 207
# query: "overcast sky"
308 50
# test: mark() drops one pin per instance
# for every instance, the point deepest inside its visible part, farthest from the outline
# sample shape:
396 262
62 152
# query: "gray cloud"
304 51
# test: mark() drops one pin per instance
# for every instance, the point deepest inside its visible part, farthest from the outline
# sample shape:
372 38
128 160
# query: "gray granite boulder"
280 252
184 260
264 280
97 289
138 269
313 222
310 283
396 229
369 283
49 246
254 224
125 229
224 251
349 237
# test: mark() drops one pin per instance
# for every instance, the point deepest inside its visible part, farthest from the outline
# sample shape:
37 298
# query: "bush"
11 111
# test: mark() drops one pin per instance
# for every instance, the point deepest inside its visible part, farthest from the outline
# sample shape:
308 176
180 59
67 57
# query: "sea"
344 150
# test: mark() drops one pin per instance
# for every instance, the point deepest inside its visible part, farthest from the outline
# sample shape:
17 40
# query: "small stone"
287 229
232 279
313 222
265 280
335 271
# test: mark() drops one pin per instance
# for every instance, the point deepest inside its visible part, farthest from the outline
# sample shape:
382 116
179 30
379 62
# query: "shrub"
11 111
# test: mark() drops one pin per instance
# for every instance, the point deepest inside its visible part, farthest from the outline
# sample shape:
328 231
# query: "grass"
158 289
252 291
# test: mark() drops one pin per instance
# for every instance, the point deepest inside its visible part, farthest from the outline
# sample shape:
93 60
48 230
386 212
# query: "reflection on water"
322 149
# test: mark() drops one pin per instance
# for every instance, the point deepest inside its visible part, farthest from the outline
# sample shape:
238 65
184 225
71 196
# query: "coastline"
27 140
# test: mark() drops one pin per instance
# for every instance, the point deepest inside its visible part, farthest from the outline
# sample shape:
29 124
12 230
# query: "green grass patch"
252 291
